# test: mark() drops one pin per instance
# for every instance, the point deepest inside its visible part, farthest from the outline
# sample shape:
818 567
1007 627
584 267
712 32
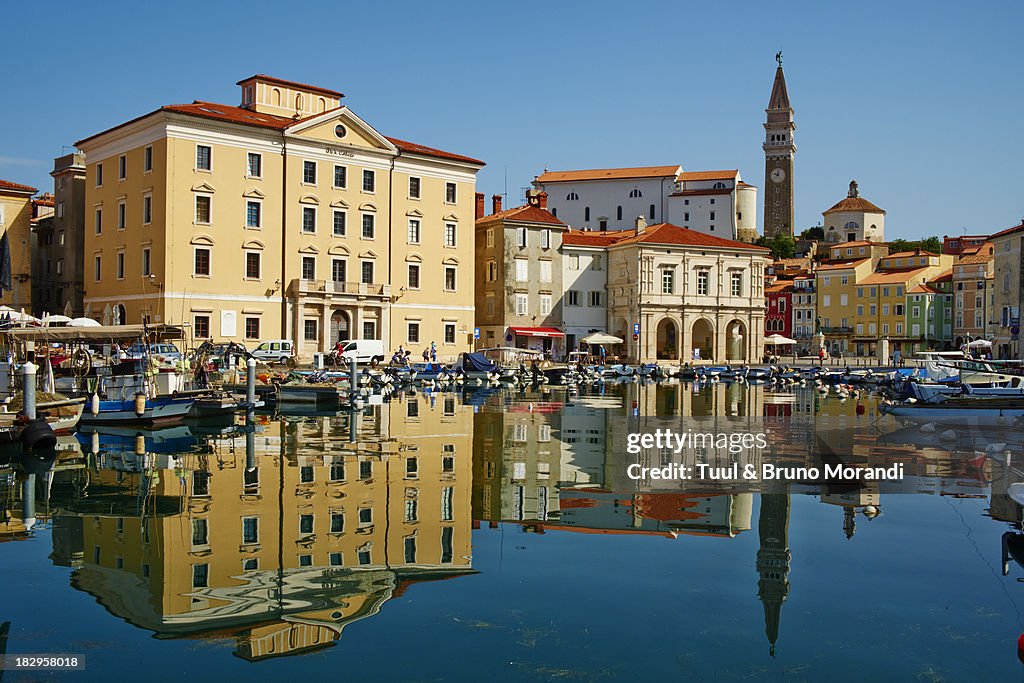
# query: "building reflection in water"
283 555
279 537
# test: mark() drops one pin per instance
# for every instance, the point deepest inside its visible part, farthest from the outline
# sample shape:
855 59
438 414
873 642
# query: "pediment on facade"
354 132
339 250
339 204
308 199
203 187
309 249
415 213
203 240
367 254
253 244
254 194
367 206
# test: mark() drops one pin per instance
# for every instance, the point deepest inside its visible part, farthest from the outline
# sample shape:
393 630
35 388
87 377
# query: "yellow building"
835 283
881 299
15 222
281 557
862 295
287 216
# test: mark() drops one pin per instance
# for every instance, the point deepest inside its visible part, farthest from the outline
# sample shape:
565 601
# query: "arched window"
586 213
618 213
298 102
852 225
275 97
634 193
719 185
650 212
572 197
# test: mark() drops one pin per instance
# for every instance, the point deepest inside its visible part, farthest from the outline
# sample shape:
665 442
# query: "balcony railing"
301 286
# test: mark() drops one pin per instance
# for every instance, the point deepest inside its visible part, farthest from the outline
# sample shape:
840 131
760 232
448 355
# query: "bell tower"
779 150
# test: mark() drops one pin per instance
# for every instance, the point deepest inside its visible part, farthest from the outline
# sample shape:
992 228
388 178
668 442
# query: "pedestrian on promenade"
433 352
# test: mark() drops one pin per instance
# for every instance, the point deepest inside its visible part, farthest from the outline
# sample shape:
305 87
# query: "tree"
782 246
815 233
932 244
896 246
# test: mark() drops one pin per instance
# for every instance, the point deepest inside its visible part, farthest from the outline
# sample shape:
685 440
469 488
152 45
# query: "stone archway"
667 340
736 341
702 338
340 327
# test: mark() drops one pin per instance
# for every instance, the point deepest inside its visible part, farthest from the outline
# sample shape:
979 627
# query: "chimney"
479 205
542 199
640 225
496 203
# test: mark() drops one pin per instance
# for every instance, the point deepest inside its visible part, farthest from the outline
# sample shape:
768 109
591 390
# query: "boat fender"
94 404
140 444
1020 648
140 404
37 434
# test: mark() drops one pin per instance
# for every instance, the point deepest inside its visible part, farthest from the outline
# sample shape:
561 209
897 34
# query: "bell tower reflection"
773 557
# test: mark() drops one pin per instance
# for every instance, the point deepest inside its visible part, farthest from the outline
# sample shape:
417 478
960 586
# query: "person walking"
433 352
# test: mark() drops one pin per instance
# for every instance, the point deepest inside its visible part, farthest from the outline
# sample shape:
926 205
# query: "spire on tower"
780 96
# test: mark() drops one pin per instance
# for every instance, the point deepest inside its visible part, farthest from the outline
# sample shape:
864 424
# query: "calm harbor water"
496 534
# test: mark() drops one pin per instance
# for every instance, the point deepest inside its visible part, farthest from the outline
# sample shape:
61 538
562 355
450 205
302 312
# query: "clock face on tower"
777 175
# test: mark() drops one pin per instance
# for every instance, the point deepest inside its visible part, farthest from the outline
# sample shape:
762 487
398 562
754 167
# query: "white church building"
716 203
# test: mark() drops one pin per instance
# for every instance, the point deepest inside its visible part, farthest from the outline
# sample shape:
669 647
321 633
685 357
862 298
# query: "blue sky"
921 103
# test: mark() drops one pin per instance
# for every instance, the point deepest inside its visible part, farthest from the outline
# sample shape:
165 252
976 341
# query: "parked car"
274 351
363 351
162 351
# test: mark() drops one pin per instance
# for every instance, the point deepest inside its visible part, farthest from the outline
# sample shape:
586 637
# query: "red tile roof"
587 238
231 114
904 254
6 185
862 243
1009 231
923 289
292 84
843 265
855 204
976 258
892 277
610 173
666 233
413 148
708 175
525 214
945 276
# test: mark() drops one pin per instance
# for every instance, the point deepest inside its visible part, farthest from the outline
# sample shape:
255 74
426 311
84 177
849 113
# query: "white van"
274 351
364 351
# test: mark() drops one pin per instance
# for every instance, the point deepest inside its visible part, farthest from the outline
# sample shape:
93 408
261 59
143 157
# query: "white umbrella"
979 344
600 338
19 316
83 322
55 319
778 339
